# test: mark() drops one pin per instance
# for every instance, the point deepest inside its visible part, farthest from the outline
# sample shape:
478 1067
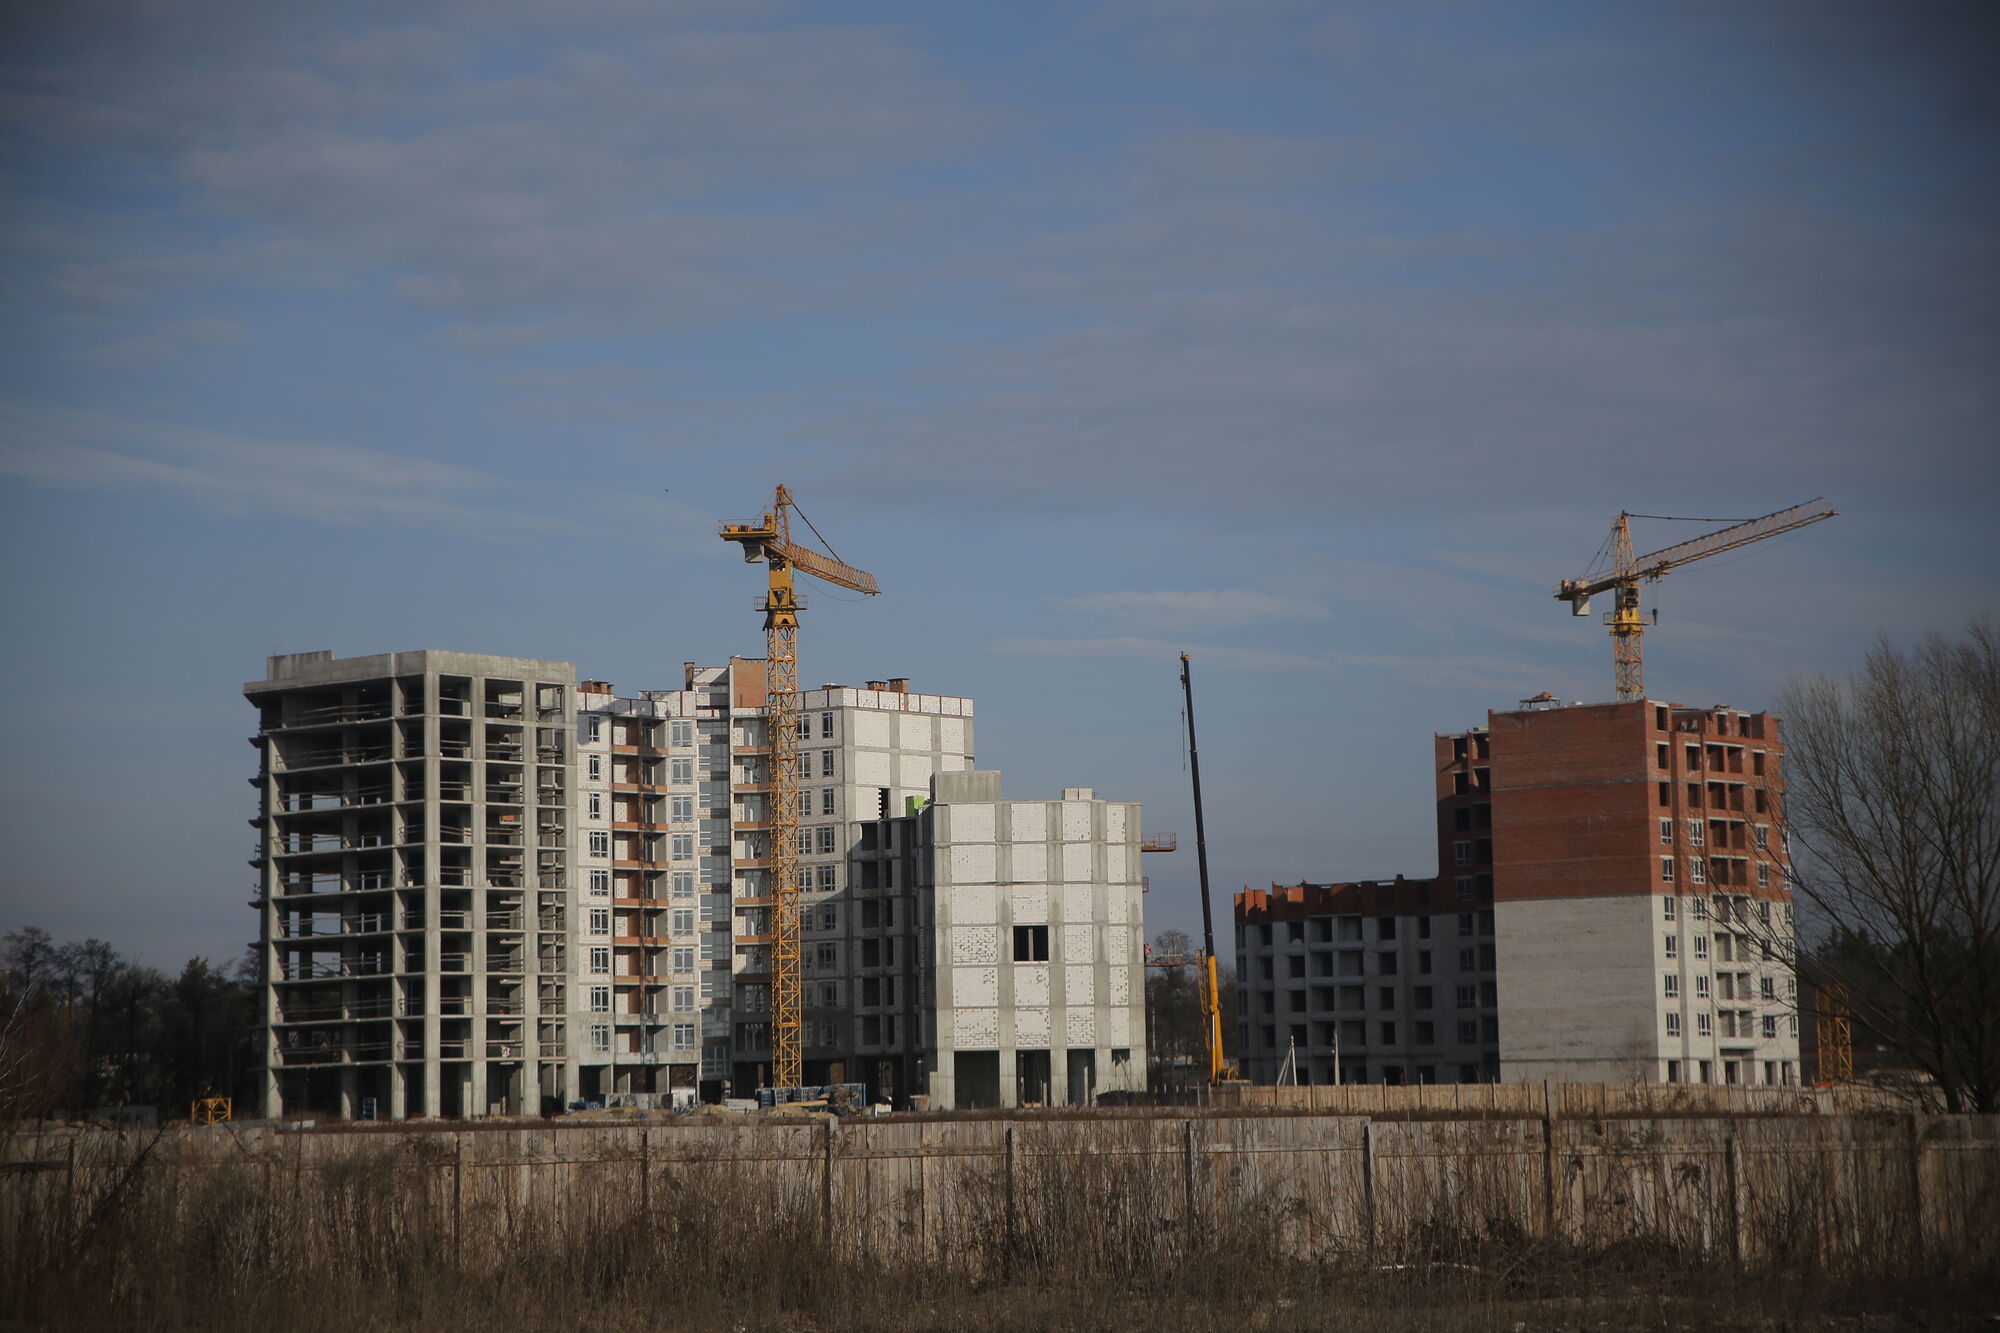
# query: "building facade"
1625 879
490 888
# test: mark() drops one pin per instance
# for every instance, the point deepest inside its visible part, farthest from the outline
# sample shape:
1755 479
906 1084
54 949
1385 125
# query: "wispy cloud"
166 343
329 483
1161 650
1196 608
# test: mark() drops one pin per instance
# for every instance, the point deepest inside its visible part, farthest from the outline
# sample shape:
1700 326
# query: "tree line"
84 1028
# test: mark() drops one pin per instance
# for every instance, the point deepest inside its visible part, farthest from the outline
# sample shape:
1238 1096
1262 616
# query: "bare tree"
1893 793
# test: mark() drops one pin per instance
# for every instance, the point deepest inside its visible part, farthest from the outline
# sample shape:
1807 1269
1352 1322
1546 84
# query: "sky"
1315 340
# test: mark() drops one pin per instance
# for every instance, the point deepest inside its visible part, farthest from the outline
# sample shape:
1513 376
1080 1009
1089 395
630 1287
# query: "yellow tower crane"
1626 570
770 541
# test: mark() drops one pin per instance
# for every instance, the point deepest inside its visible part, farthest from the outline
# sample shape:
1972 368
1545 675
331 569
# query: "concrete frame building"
413 853
1027 984
490 888
1617 873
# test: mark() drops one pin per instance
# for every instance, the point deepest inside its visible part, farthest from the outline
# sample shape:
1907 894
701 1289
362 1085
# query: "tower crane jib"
1628 571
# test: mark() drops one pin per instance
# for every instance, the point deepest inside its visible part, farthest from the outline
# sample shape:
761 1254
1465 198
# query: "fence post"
1918 1240
646 1174
1551 1219
826 1182
1188 1181
1368 1185
457 1194
1008 1228
1734 1163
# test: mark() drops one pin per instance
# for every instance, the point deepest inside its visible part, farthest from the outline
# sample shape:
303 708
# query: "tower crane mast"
770 541
1627 571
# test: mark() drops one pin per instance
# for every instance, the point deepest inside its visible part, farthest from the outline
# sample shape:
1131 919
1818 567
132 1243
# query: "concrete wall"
1859 1194
1576 978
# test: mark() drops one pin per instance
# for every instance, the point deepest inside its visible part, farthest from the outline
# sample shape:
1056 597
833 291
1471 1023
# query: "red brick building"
1624 881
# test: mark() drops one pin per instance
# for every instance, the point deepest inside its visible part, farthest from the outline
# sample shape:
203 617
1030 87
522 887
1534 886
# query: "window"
829 918
1468 997
1763 874
1763 837
1701 987
600 999
684 1036
1673 985
824 840
683 960
1668 907
826 957
827 877
826 726
683 846
1420 997
596 806
1031 944
1660 757
1673 947
600 1036
1673 1025
1704 1025
1694 756
1424 961
1770 1026
600 958
681 768
1767 988
1666 869
1468 1032
600 842
1385 962
595 767
1388 1031
1385 928
1468 924
683 998
1461 853
683 921
1385 997
804 803
683 807
1701 946
826 763
1666 832
1792 1024
826 800
1700 908
805 728
1464 885
600 921
600 883
593 729
1697 870
1468 961
684 884
1697 833
682 732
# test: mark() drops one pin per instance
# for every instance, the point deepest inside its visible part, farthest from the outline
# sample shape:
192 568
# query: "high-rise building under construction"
488 887
1613 903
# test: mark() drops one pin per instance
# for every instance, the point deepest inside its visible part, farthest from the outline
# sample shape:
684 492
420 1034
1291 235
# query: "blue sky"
1318 340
